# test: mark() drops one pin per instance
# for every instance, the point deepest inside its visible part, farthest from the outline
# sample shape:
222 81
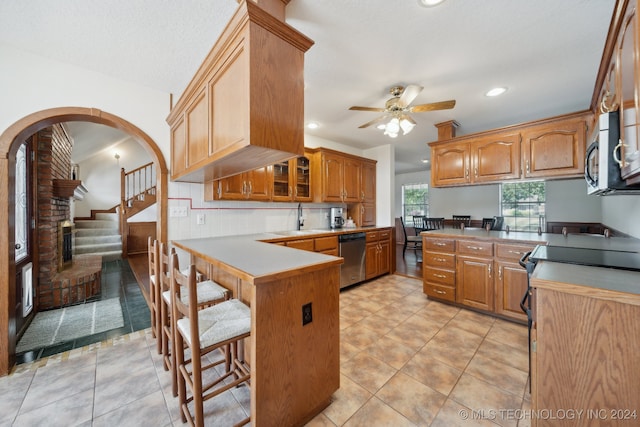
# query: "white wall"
100 174
567 200
621 213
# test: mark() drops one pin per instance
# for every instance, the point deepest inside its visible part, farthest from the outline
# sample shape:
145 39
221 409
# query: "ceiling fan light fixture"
312 125
429 3
381 126
406 126
392 128
496 91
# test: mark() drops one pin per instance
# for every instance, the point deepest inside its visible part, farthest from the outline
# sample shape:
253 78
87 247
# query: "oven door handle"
523 259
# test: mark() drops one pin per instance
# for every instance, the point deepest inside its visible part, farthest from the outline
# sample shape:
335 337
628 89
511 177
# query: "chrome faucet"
300 219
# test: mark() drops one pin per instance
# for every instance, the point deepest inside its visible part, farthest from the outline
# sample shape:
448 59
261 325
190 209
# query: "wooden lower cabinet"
378 253
585 357
439 269
481 273
511 284
475 282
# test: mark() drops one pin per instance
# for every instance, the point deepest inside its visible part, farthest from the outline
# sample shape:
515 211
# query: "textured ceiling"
547 53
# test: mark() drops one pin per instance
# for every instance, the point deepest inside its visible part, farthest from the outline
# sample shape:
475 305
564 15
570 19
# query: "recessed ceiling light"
496 91
429 3
425 160
313 125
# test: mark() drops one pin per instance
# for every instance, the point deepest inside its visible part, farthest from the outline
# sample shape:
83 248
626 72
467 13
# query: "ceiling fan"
397 110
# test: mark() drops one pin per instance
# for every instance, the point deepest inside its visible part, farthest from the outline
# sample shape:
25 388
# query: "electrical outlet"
307 315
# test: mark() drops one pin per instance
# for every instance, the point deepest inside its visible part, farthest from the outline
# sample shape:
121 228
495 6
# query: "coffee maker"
336 218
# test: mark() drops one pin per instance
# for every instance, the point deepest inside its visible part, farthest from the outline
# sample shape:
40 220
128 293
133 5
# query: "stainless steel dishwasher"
353 250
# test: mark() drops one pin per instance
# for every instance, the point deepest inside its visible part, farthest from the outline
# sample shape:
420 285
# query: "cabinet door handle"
475 170
466 174
527 167
500 273
244 187
250 187
474 248
439 244
439 276
489 269
437 291
219 189
362 195
517 252
439 259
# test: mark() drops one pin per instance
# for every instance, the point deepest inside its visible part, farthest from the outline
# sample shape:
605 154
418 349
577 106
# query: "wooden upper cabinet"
352 179
252 185
332 182
450 164
551 148
496 157
292 180
368 182
554 149
178 147
244 108
341 177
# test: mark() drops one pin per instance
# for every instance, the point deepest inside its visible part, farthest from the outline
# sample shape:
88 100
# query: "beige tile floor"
405 361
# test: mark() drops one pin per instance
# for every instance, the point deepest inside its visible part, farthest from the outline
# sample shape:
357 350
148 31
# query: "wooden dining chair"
224 325
154 281
433 224
458 220
418 223
411 242
208 293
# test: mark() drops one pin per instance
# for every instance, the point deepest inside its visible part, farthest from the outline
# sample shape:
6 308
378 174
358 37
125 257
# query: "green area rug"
66 324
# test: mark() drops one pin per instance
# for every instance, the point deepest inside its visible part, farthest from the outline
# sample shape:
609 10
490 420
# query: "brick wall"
53 159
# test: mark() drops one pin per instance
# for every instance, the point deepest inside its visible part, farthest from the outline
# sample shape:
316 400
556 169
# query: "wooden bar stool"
208 293
154 306
222 325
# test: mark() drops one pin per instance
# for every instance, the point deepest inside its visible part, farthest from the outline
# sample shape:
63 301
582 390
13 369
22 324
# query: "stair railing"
136 184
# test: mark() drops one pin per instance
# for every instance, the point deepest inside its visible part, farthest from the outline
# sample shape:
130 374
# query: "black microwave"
601 169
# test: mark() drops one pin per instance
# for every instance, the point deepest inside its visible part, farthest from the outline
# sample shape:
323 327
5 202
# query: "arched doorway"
10 139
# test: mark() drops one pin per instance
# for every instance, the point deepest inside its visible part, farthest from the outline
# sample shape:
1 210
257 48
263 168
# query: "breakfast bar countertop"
254 260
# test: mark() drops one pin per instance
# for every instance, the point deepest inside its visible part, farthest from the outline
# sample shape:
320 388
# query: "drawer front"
474 247
305 245
384 235
438 291
439 260
512 252
445 277
372 236
436 244
326 243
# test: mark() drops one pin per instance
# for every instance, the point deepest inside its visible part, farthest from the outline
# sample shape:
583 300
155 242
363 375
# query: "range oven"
624 260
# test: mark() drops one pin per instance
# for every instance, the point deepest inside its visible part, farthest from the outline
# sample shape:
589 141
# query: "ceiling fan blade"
374 121
408 95
442 105
377 110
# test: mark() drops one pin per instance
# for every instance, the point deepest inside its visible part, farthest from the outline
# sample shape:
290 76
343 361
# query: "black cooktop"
594 257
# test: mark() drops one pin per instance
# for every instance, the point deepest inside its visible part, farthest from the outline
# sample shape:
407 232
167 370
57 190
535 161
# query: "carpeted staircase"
100 236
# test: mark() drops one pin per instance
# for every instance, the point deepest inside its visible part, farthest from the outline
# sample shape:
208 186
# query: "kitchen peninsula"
294 356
